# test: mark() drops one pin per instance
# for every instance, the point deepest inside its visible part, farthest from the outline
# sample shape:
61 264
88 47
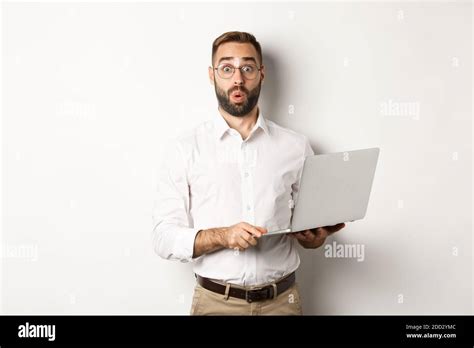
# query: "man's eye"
226 69
247 68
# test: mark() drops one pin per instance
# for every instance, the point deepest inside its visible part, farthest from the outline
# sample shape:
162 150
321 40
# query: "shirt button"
249 207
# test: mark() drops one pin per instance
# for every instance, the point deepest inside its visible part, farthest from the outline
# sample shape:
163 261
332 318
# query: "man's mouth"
238 96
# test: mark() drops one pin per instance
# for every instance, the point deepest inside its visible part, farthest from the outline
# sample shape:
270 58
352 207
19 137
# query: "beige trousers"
206 302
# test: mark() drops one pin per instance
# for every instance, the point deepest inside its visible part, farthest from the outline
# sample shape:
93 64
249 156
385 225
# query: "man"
227 183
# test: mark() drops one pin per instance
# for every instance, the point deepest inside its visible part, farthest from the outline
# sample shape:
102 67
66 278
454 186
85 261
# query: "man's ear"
210 71
262 73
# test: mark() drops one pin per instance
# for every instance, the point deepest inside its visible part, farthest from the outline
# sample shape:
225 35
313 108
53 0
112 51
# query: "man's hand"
315 237
241 236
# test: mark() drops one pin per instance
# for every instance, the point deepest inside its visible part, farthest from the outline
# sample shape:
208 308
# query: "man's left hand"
315 237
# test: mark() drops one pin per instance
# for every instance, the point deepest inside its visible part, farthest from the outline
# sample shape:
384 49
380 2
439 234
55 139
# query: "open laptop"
334 188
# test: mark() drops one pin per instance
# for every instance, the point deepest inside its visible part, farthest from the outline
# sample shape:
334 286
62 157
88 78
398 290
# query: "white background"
92 93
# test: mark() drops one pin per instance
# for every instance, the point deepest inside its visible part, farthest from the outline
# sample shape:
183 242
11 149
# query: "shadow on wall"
316 274
315 278
333 285
274 102
271 93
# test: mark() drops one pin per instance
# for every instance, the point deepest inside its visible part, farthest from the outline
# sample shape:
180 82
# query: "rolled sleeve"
173 231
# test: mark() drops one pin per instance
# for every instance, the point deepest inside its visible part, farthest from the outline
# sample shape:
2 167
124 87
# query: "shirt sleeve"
307 151
173 233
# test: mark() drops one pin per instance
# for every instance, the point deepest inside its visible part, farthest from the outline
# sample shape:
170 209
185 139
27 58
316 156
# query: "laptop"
334 188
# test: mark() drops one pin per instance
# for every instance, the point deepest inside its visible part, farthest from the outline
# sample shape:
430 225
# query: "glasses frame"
233 72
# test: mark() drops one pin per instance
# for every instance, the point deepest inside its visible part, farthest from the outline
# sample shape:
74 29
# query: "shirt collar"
221 126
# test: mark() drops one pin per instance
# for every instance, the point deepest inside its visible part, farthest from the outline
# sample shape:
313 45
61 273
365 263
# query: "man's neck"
242 124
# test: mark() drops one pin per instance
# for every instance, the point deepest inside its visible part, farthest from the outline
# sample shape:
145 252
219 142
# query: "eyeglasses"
249 71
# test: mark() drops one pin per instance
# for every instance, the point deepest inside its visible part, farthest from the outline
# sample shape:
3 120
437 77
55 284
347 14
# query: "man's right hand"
238 237
241 236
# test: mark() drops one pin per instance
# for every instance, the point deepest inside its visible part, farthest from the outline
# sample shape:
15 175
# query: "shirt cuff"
185 238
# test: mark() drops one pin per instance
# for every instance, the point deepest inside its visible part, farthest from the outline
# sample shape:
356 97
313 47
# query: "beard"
238 109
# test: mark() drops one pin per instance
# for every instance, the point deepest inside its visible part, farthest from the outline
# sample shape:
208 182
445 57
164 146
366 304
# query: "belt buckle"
258 294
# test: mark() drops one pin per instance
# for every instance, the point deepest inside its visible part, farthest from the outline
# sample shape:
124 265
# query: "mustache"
240 89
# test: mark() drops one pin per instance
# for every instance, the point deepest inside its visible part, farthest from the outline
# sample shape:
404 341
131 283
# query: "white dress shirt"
213 178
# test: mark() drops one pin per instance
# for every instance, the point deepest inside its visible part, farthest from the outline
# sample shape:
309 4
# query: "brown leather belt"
251 295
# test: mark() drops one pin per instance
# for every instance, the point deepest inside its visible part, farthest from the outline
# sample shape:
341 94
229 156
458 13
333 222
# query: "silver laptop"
334 188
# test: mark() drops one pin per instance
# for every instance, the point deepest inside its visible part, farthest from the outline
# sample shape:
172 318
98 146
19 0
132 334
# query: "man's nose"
238 78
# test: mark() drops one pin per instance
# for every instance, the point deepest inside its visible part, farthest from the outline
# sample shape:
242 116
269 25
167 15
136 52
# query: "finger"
250 239
251 229
310 236
243 243
313 231
322 232
335 228
259 229
300 236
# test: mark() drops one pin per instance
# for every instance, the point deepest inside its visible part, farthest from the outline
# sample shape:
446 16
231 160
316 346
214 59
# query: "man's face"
237 95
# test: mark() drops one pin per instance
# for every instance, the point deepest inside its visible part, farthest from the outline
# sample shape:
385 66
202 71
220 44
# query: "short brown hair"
237 36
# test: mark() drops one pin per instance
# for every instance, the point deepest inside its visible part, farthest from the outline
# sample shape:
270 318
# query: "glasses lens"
249 71
225 71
